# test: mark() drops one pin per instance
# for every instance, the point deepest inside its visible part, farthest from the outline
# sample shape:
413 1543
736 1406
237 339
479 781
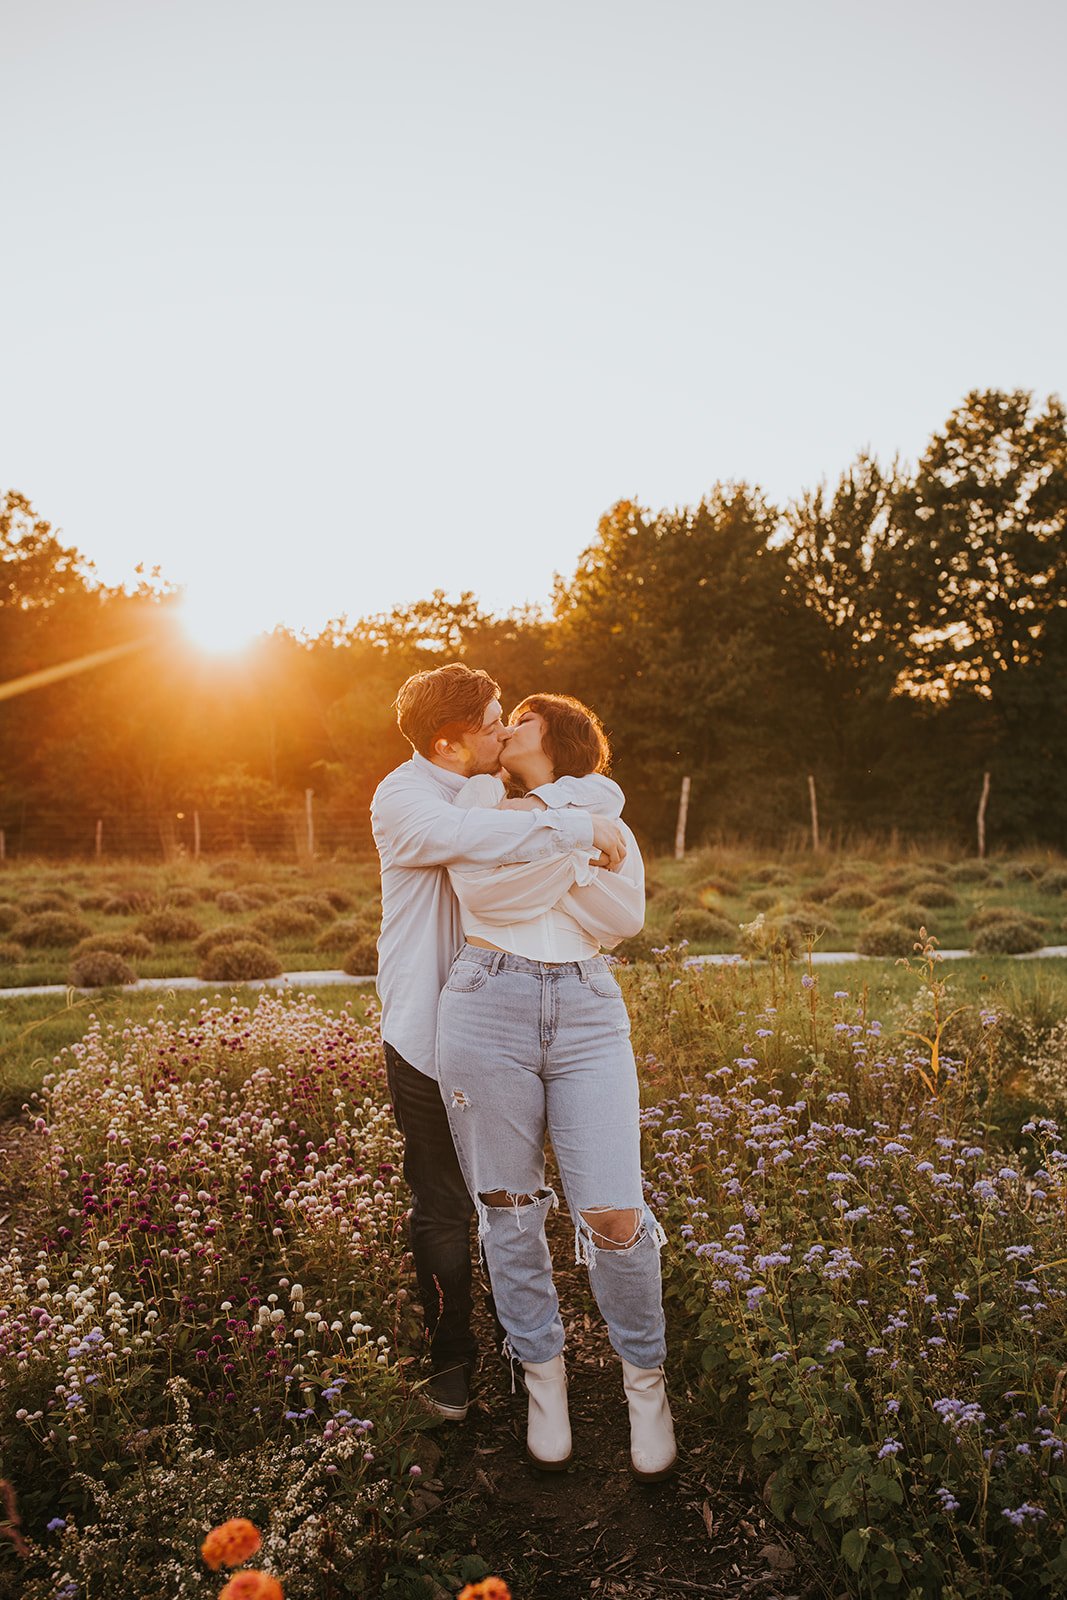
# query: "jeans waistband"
504 961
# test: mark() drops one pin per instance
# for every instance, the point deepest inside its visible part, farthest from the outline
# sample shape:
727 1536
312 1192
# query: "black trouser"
441 1212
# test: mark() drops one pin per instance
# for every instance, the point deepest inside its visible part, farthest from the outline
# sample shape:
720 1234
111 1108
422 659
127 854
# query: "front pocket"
603 984
466 976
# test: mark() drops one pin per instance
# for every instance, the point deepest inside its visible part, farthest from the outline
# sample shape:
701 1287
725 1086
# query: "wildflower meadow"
866 1283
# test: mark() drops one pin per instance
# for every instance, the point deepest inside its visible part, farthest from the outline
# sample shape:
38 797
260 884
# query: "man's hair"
443 704
574 740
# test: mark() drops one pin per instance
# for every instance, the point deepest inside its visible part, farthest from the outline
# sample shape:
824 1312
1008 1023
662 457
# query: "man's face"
482 750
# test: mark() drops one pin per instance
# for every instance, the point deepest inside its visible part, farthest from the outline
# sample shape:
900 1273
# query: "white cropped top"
561 908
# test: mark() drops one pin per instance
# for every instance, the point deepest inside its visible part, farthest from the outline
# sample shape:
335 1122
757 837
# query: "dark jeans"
441 1212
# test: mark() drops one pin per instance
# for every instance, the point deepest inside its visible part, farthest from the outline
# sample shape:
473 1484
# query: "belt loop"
582 975
494 965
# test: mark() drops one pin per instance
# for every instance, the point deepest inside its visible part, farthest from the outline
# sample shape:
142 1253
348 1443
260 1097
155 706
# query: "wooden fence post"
3 845
683 813
310 816
981 816
814 812
196 836
99 837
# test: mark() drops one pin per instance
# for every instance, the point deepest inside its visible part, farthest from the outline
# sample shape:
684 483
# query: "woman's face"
525 740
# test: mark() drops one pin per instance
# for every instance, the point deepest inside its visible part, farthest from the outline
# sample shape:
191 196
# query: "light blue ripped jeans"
528 1047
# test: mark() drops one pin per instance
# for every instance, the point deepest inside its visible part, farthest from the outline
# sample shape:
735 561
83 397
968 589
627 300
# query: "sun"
218 622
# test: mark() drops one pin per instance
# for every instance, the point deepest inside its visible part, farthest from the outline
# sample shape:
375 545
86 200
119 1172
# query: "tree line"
896 634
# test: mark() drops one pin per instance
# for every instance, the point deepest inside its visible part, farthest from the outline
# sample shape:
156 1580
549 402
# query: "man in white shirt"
452 718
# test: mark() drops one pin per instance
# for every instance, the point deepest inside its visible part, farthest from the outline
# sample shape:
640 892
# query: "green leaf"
854 1547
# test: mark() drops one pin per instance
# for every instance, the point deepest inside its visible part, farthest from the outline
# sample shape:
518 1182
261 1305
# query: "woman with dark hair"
533 1038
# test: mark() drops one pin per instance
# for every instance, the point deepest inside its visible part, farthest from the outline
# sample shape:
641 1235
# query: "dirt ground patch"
591 1530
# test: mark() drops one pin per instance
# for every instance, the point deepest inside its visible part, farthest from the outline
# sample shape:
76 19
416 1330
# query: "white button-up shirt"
420 833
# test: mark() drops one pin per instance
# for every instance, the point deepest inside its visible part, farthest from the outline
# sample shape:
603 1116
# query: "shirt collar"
450 782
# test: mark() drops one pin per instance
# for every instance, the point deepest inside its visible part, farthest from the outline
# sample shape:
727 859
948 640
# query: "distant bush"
987 916
810 920
852 897
180 895
96 901
970 871
1023 871
226 869
11 954
1008 938
99 969
340 899
125 900
169 927
232 903
259 894
770 936
131 946
362 958
50 928
639 948
239 962
934 894
887 939
772 875
228 933
312 905
284 922
9 915
702 927
1054 881
901 912
47 900
346 932
711 889
763 899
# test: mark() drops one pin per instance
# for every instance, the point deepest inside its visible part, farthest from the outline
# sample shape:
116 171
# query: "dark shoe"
448 1392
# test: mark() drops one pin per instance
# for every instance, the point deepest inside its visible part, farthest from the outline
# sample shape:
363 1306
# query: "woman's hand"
527 802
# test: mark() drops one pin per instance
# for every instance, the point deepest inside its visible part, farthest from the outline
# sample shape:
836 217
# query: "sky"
320 307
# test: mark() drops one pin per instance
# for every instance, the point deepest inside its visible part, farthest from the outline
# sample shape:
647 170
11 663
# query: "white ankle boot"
548 1427
653 1451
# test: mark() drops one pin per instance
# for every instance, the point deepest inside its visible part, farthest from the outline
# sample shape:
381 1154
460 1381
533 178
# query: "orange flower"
231 1543
488 1589
251 1585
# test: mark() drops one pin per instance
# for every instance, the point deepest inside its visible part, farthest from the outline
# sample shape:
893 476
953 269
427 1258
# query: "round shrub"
639 948
95 901
239 962
772 875
770 936
166 926
50 928
131 946
362 959
986 916
311 905
969 871
232 903
764 899
710 890
902 912
810 921
340 899
181 895
47 900
702 927
346 932
1024 871
228 933
259 894
125 900
1008 938
938 895
1054 881
9 915
887 939
11 954
282 922
853 897
226 869
100 969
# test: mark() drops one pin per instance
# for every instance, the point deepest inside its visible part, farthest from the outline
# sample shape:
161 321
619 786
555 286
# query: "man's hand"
608 838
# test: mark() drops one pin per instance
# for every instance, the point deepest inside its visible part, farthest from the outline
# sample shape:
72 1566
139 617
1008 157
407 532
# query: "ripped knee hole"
504 1197
612 1229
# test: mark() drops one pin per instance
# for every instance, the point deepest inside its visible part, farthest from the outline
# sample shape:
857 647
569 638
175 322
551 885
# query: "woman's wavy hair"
574 740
